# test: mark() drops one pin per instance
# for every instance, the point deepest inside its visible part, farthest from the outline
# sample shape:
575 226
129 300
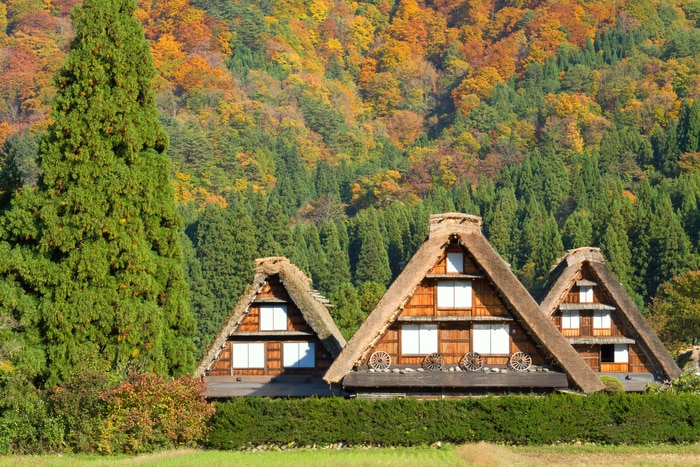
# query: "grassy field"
470 454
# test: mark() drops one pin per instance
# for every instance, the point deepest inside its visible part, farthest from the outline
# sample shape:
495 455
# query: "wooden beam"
452 318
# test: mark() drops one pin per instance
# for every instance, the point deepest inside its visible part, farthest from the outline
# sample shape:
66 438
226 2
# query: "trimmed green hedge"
598 418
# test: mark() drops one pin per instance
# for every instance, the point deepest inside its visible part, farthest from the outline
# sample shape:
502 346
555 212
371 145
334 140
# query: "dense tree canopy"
563 124
100 236
675 313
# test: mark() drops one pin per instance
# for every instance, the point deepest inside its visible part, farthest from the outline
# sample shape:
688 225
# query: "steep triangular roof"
563 277
311 304
466 230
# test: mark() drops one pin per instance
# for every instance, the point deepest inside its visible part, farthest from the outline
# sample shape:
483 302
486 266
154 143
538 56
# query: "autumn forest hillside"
328 131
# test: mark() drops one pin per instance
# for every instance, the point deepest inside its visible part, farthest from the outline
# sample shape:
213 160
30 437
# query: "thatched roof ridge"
522 305
563 278
386 310
466 229
639 324
311 304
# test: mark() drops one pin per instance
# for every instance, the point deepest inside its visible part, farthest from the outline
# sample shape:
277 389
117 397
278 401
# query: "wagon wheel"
432 362
471 361
520 361
380 360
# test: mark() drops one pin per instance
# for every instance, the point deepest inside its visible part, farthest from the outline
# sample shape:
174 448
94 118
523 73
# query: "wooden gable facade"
456 311
590 308
272 339
457 321
279 332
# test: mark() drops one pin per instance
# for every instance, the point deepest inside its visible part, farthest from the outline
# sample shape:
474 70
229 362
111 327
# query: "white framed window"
614 353
491 339
454 294
273 317
249 355
622 354
601 319
419 339
570 319
299 355
585 294
455 262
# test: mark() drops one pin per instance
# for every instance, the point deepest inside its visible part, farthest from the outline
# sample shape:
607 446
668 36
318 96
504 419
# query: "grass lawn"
469 454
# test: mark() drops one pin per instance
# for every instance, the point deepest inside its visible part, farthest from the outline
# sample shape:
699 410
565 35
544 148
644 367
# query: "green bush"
618 418
612 384
87 414
150 413
26 424
79 406
685 383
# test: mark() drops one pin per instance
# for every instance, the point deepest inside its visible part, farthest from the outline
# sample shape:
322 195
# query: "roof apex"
453 222
586 253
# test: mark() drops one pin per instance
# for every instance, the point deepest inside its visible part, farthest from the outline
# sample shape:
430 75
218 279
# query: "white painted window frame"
585 294
419 339
602 319
622 353
248 355
455 261
491 339
570 319
299 354
454 294
273 317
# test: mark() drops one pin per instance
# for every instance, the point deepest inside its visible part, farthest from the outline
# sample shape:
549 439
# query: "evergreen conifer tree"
299 254
502 228
226 249
346 312
102 225
372 259
18 165
318 263
275 235
463 199
394 237
689 127
578 230
338 269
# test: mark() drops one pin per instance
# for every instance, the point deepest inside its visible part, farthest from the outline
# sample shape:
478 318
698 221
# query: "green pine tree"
394 237
299 254
275 234
578 230
18 165
372 259
318 263
346 312
102 225
689 127
338 269
226 250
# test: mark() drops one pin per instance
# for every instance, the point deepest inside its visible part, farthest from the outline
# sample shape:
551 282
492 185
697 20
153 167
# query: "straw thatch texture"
311 305
466 229
563 277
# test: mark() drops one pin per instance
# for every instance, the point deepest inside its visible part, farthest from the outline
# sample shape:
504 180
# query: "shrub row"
598 418
90 414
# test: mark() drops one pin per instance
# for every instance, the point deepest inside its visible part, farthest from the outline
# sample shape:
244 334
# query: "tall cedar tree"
103 220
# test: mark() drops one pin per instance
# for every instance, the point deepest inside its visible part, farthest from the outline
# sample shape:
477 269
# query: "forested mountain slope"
329 130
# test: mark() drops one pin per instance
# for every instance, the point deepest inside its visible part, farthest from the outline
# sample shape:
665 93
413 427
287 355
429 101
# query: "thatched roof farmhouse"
458 321
590 307
278 340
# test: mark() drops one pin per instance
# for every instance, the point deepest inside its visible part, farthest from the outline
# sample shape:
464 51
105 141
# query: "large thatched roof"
311 304
466 230
563 277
